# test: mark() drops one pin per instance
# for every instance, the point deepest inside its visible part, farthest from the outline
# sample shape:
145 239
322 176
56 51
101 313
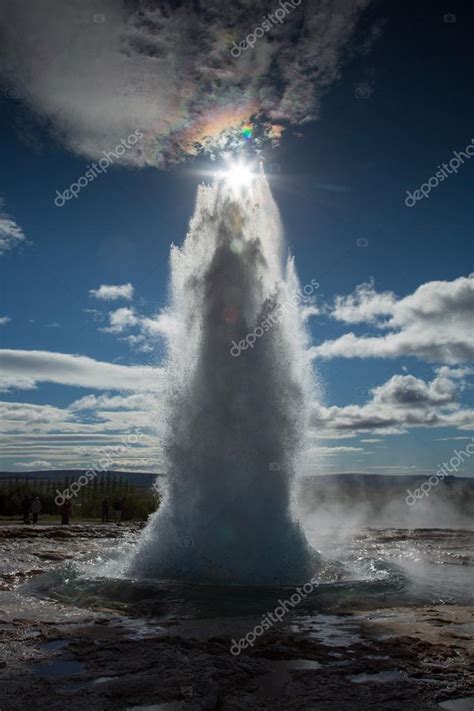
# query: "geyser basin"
238 388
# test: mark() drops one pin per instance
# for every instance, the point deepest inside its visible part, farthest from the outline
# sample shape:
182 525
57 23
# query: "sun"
239 175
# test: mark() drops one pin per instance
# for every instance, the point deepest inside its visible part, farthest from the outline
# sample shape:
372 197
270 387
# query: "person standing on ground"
35 508
105 511
26 508
66 509
118 510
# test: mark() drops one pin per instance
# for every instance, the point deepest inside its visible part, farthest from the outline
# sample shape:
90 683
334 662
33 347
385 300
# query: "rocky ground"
54 656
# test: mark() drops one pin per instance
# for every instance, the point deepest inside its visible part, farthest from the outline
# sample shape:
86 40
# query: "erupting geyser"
234 417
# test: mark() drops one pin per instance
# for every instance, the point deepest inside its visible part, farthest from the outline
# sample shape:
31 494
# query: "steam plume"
234 422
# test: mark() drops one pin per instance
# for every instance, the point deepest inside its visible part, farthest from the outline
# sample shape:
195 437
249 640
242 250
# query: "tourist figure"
35 508
66 509
118 510
105 510
26 508
123 510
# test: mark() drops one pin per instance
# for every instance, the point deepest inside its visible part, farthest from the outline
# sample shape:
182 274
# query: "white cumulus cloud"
400 403
120 320
20 366
112 292
435 323
11 235
37 464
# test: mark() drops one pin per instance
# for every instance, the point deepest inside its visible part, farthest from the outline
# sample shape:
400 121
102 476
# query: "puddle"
345 663
31 634
464 704
54 645
139 629
78 685
58 668
271 684
301 664
330 630
379 678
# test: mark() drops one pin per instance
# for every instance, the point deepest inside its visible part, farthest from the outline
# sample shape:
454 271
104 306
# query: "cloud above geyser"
97 73
435 323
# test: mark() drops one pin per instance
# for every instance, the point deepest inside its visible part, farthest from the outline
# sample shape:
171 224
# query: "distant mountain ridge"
144 479
355 479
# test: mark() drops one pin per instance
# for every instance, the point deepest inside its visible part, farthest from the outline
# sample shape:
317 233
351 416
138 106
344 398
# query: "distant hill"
144 479
374 481
355 482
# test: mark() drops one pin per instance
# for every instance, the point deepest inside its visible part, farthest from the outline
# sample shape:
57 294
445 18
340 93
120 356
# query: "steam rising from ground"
338 505
233 424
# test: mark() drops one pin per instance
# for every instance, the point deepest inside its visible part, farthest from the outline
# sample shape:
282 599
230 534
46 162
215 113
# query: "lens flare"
239 175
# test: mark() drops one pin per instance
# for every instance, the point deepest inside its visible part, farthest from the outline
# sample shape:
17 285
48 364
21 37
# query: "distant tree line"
136 502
